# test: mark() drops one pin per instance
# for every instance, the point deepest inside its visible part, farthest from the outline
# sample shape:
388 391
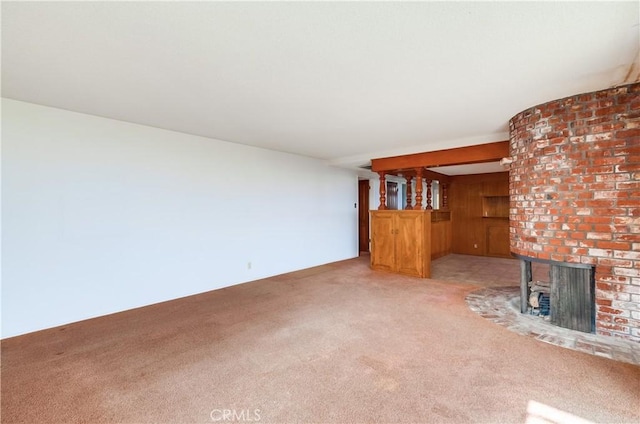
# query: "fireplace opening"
539 298
566 300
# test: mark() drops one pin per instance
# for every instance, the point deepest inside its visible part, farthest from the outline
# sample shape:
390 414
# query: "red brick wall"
575 195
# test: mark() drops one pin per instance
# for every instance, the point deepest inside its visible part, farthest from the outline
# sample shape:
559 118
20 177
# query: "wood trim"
462 155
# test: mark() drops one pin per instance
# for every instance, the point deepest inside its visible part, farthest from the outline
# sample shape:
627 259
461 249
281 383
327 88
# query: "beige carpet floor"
333 344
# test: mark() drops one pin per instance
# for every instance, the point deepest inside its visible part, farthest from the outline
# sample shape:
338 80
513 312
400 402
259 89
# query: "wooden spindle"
418 204
409 203
445 196
429 195
383 191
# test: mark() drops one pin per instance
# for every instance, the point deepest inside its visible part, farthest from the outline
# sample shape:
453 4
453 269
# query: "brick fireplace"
575 196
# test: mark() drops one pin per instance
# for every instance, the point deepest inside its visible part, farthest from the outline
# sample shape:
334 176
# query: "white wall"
100 216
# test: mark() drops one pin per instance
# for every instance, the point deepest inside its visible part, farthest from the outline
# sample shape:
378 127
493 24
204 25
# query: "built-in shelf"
495 207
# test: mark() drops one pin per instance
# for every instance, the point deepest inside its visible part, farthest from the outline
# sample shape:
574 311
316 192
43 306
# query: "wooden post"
383 191
429 205
490 152
418 204
409 203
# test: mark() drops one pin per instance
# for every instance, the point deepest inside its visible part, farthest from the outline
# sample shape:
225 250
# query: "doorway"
363 216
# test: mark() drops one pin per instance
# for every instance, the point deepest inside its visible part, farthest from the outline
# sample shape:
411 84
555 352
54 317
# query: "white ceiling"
345 82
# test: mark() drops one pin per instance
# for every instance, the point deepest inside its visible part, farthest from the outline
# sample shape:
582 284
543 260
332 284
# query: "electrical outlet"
248 265
475 246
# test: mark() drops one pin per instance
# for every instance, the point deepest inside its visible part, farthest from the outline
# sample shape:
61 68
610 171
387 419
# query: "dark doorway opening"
363 216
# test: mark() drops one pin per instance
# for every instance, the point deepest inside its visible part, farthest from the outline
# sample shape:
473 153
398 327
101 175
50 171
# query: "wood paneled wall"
472 232
440 239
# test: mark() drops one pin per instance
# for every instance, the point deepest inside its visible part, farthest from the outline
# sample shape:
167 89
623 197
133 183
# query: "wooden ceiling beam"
490 152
